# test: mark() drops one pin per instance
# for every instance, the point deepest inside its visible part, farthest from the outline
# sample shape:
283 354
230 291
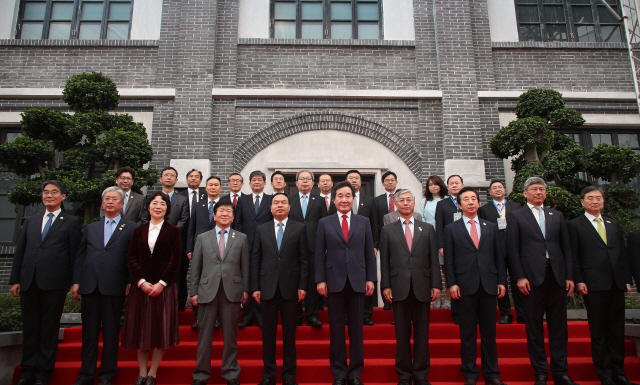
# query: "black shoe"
354 381
289 381
104 382
493 381
421 382
150 380
194 325
506 319
233 382
314 322
520 320
24 381
244 324
607 381
258 323
541 379
387 306
564 380
393 322
218 325
40 382
455 321
267 381
198 382
79 382
470 381
622 380
366 322
339 381
404 382
139 380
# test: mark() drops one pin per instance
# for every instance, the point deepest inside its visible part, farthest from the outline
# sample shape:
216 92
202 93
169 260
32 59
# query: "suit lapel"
397 227
213 238
337 225
584 221
285 236
116 231
145 237
55 225
417 232
272 237
483 231
463 228
352 226
230 240
548 221
263 203
310 203
529 215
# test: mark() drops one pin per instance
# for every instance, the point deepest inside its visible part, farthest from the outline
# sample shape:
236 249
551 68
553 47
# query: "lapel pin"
233 235
550 213
420 228
61 217
608 221
484 224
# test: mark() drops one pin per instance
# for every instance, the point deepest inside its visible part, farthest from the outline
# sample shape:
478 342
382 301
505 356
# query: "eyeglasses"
169 175
235 180
389 180
125 179
305 179
52 192
111 199
403 200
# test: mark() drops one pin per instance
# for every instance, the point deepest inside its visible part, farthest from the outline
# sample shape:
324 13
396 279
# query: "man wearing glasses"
133 202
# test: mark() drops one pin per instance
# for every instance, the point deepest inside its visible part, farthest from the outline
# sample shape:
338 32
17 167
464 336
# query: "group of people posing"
266 254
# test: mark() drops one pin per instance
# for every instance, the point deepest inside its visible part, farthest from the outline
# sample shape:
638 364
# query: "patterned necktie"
345 228
221 244
109 231
601 230
257 203
407 234
392 208
210 211
474 233
304 206
47 225
280 232
235 200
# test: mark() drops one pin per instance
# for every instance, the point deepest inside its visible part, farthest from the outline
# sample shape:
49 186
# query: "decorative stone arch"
328 120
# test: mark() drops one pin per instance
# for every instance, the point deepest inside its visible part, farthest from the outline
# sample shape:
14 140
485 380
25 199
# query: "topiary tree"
56 145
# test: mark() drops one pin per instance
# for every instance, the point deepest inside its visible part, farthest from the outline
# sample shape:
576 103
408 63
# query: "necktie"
500 210
194 200
279 237
108 231
474 233
304 206
407 234
326 200
47 225
601 231
392 208
221 244
355 205
542 224
345 228
235 200
126 199
210 211
257 203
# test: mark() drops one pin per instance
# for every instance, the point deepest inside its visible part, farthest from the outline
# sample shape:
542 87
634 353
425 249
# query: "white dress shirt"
45 218
191 191
154 231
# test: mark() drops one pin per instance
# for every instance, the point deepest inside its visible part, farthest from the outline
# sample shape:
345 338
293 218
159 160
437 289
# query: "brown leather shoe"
469 381
493 381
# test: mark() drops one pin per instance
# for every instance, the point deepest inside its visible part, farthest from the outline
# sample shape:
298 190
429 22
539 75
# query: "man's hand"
501 291
454 291
74 292
194 300
570 287
189 255
156 290
256 296
386 293
246 297
146 287
15 290
126 291
301 295
322 288
369 288
441 252
628 290
523 285
375 252
582 288
435 293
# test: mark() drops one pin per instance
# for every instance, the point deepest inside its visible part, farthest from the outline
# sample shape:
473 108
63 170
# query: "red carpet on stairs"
313 355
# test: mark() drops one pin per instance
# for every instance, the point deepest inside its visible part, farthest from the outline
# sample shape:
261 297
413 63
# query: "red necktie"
235 200
474 233
391 206
326 200
221 244
345 228
407 234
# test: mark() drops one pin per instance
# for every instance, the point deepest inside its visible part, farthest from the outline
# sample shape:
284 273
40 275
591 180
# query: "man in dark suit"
101 277
193 193
325 184
345 273
410 280
235 183
447 211
603 278
365 206
279 274
306 208
385 205
496 212
253 210
476 275
220 282
134 202
41 275
542 263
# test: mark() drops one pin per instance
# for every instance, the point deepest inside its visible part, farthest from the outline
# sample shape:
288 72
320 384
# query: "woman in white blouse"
151 323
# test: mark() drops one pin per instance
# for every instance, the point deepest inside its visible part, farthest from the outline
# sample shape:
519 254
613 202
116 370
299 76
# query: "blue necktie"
47 225
108 231
542 224
257 203
279 237
210 211
304 206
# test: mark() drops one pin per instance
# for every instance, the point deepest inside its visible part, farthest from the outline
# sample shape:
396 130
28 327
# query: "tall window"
75 19
326 19
568 20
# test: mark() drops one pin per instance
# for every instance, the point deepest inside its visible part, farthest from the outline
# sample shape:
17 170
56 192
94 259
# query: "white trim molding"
125 93
324 93
567 95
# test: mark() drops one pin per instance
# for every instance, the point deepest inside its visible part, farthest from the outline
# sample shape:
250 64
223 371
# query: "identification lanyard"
503 206
454 202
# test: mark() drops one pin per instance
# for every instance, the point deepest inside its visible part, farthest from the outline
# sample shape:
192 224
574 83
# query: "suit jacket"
104 267
382 206
367 208
246 219
395 217
314 212
490 213
134 210
467 266
287 269
163 264
199 222
597 264
444 216
336 260
53 257
401 268
528 247
633 248
207 269
202 193
332 207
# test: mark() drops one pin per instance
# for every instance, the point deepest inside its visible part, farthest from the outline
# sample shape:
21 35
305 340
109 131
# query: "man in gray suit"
219 286
134 202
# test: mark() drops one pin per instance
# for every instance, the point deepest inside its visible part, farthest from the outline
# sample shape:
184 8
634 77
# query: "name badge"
457 216
502 224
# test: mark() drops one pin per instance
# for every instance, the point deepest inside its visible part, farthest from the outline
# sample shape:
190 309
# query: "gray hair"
310 173
114 188
534 180
401 191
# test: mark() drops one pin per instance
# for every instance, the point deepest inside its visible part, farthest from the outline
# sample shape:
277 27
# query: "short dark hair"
464 190
213 177
226 201
436 180
453 176
274 174
168 168
126 169
257 173
386 174
194 170
352 172
164 197
494 181
281 193
238 174
589 189
57 183
340 185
